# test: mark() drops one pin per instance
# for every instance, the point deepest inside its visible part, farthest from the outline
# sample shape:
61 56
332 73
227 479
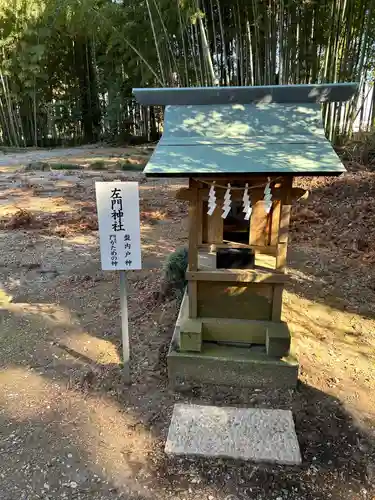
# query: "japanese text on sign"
119 226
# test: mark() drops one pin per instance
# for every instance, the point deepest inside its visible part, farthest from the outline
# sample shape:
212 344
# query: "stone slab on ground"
252 434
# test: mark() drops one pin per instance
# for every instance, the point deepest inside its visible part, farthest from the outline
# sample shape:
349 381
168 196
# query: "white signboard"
119 225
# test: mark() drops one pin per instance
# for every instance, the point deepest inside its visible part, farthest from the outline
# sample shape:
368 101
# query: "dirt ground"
70 428
83 155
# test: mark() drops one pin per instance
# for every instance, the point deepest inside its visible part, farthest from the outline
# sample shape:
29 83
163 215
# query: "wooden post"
275 223
200 216
193 247
193 233
284 225
258 224
124 326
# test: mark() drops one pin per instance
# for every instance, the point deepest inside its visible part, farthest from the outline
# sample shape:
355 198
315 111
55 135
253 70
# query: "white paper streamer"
211 200
267 197
247 208
227 203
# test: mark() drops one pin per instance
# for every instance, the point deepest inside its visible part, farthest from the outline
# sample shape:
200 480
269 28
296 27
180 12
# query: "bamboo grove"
67 67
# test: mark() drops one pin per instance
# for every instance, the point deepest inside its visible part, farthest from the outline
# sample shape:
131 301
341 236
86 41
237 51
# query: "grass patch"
66 166
98 165
38 165
130 166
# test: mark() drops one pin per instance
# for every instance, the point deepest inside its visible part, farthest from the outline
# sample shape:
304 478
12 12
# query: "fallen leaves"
340 214
22 219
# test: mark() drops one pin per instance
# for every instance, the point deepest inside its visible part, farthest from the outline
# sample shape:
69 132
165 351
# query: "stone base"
232 366
218 364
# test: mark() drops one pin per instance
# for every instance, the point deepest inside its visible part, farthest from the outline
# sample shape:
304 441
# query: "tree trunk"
153 130
26 112
90 109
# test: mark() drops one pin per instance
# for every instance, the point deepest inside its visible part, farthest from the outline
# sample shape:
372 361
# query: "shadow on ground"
81 431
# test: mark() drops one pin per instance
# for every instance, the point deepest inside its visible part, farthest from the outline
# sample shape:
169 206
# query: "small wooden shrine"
240 148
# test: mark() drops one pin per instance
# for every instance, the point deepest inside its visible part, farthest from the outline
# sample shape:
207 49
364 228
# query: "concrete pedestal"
219 364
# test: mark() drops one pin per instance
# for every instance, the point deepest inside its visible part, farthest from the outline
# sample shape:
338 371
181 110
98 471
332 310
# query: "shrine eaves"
244 130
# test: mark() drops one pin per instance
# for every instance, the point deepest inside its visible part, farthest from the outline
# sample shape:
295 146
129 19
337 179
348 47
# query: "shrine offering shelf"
263 271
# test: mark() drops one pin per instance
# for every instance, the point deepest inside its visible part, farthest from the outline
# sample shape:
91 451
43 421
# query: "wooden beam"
249 178
237 194
238 275
186 194
266 249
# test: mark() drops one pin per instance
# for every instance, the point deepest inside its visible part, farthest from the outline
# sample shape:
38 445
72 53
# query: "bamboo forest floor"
70 428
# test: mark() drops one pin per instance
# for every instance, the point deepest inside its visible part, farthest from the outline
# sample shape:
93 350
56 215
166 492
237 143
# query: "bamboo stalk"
170 50
281 41
160 81
198 52
192 54
35 117
9 108
5 123
206 50
183 44
213 28
225 65
273 41
251 61
240 48
257 43
371 122
298 50
358 69
156 45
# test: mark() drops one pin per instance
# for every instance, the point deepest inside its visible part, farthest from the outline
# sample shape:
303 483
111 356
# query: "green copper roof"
260 137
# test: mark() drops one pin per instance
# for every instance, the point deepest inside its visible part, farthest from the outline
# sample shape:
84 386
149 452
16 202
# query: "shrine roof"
244 130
